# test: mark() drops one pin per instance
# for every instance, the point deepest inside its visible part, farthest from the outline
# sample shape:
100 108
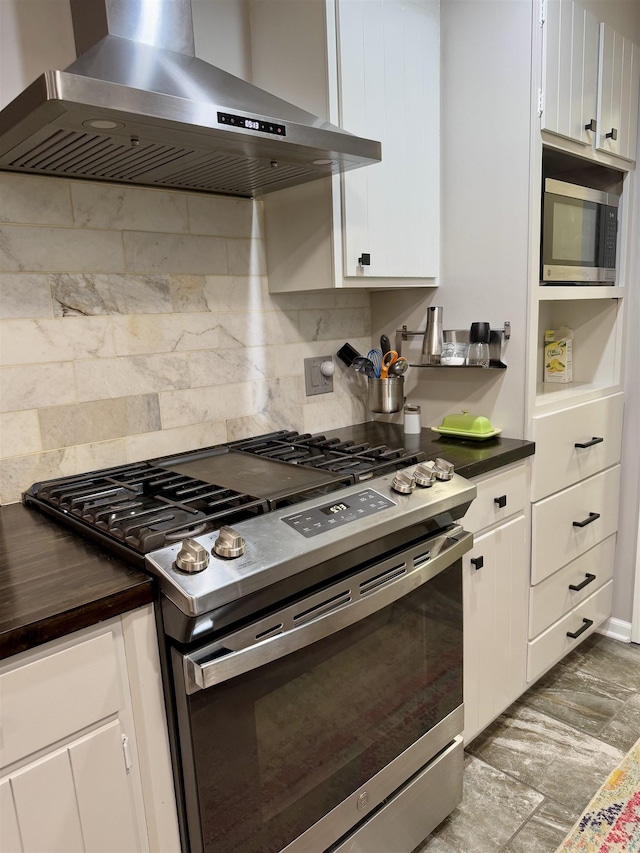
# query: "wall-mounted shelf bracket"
461 335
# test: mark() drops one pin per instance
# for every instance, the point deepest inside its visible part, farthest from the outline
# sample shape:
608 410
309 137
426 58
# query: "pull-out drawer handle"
501 501
592 518
595 440
586 624
588 578
478 562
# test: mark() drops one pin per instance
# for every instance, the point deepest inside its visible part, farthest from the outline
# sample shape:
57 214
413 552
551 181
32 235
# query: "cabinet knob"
593 125
478 562
613 133
365 259
501 501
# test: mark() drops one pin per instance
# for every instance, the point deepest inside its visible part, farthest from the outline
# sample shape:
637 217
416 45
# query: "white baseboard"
616 629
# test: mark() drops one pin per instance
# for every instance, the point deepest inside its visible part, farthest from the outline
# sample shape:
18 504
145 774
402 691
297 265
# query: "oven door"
297 728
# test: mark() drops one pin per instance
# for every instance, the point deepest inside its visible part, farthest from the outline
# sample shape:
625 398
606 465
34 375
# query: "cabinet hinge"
543 12
126 752
540 103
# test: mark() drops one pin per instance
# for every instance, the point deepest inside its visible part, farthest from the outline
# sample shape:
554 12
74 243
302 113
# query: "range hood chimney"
138 107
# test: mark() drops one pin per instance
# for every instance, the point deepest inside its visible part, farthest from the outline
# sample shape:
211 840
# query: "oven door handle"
229 664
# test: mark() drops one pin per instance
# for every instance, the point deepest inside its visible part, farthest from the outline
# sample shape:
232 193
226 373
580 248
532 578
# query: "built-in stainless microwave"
579 234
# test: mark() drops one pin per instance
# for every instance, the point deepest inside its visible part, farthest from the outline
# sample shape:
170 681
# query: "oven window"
275 749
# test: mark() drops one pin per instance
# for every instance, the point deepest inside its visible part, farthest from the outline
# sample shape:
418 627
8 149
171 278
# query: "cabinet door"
75 799
389 90
618 90
495 620
570 70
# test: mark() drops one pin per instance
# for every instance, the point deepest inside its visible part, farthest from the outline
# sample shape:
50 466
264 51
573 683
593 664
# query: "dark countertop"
53 582
470 458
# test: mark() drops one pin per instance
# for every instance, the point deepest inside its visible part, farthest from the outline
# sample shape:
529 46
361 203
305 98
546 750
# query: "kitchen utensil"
376 357
362 364
387 360
385 344
386 395
399 366
432 343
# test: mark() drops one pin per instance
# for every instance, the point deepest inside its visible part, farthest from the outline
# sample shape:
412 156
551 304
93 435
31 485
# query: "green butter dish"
464 425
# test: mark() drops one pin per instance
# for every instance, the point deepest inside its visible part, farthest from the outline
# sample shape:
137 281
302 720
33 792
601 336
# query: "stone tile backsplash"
138 322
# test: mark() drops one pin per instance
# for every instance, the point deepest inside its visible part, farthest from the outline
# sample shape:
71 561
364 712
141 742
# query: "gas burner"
141 507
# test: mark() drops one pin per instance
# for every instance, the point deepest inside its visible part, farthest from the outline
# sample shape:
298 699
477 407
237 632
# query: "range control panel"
323 518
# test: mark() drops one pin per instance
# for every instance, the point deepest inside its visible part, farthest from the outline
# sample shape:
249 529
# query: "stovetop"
138 508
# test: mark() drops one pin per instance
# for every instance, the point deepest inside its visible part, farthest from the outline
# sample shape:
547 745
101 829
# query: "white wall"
485 203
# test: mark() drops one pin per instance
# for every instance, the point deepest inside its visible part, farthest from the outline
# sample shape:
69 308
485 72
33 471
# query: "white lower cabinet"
495 589
70 772
574 521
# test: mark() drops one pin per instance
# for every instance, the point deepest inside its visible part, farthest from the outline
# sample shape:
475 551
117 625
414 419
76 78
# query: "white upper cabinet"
618 93
590 81
371 67
570 71
388 57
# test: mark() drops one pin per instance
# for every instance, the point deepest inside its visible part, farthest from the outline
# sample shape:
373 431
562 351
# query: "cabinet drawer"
553 644
551 599
558 463
499 497
570 523
54 697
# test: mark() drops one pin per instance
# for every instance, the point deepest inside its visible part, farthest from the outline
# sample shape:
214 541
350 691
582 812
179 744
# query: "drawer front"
553 644
499 497
558 462
55 697
554 597
570 523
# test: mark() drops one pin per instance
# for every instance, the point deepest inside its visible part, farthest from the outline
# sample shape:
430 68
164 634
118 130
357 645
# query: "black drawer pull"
592 517
586 624
588 578
594 440
501 501
478 562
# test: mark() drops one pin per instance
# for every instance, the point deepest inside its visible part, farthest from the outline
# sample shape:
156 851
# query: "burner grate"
359 461
146 507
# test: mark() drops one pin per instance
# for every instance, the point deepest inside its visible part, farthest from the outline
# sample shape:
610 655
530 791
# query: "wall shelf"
550 292
496 339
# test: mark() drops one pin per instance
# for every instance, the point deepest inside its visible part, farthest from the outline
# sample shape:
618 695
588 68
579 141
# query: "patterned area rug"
611 821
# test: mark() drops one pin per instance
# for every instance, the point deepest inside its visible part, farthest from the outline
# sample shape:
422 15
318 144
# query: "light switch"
315 381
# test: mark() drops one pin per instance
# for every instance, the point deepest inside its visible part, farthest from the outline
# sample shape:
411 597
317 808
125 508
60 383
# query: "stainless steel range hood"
138 107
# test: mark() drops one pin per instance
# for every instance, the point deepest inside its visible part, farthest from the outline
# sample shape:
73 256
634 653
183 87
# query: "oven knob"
443 469
192 557
403 482
229 543
425 476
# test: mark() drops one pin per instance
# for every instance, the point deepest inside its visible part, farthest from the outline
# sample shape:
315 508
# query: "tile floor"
529 775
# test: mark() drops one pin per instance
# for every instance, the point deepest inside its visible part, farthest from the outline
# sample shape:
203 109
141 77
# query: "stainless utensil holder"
386 395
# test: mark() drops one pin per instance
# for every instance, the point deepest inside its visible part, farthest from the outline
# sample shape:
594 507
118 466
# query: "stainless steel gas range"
310 627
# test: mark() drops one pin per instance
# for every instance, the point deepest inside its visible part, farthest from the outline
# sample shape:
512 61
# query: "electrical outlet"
315 381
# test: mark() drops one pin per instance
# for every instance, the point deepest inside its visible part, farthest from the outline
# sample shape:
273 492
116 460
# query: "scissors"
388 359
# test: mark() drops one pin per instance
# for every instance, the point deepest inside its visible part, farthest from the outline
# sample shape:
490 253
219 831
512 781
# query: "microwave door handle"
200 676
